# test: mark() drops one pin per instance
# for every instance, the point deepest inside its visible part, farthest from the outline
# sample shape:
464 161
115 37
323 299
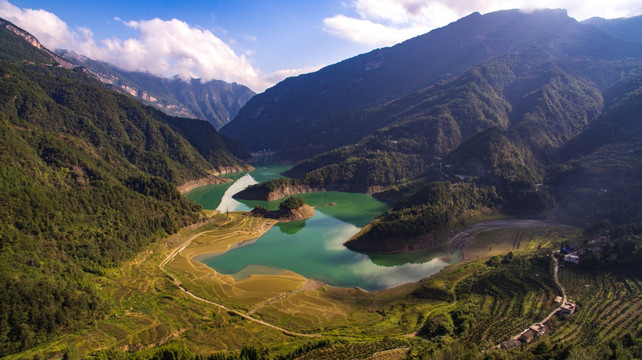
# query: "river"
314 247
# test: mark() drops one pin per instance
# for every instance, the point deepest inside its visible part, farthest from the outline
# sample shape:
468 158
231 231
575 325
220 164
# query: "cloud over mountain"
161 47
387 22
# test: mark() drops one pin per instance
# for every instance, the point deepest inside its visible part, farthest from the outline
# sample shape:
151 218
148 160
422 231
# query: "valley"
285 307
430 199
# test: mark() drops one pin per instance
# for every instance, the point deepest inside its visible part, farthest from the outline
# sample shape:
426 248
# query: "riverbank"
207 180
213 178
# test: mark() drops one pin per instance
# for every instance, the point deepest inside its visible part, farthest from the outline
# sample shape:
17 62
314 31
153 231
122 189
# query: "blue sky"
253 42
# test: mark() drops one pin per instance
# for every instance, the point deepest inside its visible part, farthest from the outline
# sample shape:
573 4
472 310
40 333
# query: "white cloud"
47 27
162 47
279 75
386 22
368 32
172 46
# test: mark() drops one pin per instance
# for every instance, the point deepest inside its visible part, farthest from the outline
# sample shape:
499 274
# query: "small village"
539 329
567 307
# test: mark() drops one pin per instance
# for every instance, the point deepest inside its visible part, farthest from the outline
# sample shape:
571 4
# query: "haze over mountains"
628 29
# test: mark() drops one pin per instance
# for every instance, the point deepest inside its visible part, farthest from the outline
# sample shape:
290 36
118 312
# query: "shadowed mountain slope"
313 113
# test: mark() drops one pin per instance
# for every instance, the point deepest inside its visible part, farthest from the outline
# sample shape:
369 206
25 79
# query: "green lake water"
314 247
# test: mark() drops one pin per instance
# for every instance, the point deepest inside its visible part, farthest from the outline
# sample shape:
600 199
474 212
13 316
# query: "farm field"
151 307
609 304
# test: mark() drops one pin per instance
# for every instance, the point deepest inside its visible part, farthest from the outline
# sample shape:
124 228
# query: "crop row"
508 299
609 304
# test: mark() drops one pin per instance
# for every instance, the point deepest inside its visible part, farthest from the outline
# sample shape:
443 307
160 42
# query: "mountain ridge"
501 126
215 101
304 106
88 178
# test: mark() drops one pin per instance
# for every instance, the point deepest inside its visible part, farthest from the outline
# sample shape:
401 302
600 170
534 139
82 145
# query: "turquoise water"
219 196
314 247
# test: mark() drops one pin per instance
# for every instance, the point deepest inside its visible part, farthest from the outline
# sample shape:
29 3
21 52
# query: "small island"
291 209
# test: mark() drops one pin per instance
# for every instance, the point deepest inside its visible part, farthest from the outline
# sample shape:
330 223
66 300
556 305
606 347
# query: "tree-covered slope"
313 113
87 179
216 101
525 94
597 183
500 126
591 181
628 29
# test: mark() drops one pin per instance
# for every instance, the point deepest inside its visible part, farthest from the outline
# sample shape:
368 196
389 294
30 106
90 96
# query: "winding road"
180 248
557 282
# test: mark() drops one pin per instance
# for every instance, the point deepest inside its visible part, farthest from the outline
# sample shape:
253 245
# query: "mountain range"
505 123
628 29
313 113
508 113
215 101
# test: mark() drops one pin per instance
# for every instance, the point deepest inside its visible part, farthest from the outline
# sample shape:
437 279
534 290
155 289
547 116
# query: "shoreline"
204 181
213 178
219 246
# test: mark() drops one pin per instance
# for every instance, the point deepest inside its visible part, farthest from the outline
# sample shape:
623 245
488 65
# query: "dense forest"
88 178
437 206
551 127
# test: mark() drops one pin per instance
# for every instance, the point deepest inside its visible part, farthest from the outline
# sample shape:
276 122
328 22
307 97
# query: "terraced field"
282 298
609 304
148 310
166 296
507 300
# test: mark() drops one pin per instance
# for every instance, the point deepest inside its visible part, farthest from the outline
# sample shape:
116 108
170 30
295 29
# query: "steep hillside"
598 181
523 93
499 126
87 178
591 181
313 113
215 101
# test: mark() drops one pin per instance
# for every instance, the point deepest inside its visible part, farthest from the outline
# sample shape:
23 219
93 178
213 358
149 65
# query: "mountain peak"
33 41
214 101
336 91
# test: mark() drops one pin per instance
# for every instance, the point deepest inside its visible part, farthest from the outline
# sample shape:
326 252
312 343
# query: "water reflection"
381 277
316 251
355 208
292 227
415 257
314 248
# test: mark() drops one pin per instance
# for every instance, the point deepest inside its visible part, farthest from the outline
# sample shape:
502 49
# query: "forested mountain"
505 134
87 178
627 29
574 154
215 101
316 112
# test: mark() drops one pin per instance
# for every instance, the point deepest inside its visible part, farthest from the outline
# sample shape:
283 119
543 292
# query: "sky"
256 43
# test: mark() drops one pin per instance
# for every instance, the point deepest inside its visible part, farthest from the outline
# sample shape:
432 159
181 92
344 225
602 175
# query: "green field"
478 303
609 305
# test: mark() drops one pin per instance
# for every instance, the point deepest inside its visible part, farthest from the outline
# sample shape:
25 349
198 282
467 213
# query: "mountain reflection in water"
314 247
